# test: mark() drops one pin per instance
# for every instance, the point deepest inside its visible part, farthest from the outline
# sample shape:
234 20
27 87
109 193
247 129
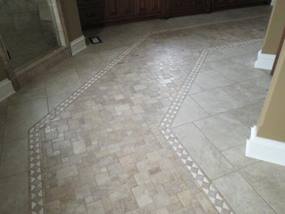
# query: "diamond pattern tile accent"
36 144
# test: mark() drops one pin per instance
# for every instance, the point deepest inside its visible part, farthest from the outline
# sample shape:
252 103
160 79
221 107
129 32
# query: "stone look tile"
142 196
15 199
185 198
97 168
247 115
241 195
211 79
95 207
189 112
205 204
235 96
223 131
237 158
213 101
14 158
20 112
208 156
268 180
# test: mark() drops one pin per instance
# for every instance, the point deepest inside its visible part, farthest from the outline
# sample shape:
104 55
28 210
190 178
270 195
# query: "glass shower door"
28 30
4 60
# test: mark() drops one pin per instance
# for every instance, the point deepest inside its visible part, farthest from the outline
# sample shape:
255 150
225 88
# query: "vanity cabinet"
118 9
98 12
149 8
188 7
229 4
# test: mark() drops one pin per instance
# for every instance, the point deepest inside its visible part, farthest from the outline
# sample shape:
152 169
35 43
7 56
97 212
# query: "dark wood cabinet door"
119 9
243 3
111 9
148 7
188 7
126 8
97 12
91 12
227 4
224 4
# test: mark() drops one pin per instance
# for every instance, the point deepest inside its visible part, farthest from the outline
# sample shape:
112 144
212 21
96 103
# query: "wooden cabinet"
91 12
228 4
148 8
242 3
188 7
118 9
97 12
223 4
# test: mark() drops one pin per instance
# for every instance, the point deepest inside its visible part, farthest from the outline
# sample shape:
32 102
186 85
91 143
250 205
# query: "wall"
272 121
71 18
275 28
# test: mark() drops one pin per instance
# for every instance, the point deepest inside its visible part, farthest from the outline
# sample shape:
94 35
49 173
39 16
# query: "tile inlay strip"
199 176
35 167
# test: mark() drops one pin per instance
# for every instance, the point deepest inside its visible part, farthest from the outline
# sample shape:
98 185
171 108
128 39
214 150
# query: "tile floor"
105 152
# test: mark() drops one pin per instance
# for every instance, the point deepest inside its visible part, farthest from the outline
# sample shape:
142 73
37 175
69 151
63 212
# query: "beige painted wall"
71 17
275 28
272 121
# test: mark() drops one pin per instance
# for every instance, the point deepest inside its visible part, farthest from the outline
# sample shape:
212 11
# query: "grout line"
219 150
253 188
36 177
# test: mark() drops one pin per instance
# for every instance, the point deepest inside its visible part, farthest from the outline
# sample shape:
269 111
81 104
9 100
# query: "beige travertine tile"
205 204
108 144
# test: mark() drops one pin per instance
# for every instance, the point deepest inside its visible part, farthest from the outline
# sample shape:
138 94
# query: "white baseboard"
265 149
78 45
264 61
6 89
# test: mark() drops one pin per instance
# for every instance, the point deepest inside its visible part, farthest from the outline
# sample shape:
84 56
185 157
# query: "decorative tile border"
35 171
166 129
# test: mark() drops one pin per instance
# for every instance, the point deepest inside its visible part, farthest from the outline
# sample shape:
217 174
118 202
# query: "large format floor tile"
223 131
268 181
14 194
207 155
217 140
105 153
241 195
189 112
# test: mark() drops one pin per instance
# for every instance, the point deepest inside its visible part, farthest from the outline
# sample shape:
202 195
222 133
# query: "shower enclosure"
29 29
